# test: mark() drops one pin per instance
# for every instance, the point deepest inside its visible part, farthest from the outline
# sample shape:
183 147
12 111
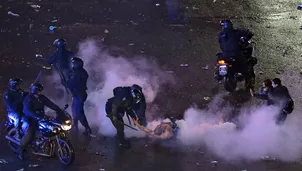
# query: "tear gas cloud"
259 137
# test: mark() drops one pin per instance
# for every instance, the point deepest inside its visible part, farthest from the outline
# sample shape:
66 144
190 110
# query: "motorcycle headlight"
66 127
68 122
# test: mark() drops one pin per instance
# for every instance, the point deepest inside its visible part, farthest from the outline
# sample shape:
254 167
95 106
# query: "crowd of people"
29 106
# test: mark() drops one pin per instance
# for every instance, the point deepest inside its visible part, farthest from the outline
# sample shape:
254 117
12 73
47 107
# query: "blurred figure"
13 99
282 97
174 14
77 84
33 108
60 59
235 43
266 88
279 96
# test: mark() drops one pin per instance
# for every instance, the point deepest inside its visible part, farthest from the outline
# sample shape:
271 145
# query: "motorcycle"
228 70
51 138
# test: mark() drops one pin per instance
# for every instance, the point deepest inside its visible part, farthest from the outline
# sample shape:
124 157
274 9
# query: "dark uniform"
33 108
61 59
13 99
123 101
279 96
77 84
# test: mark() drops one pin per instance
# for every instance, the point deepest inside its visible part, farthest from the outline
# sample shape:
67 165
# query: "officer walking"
77 84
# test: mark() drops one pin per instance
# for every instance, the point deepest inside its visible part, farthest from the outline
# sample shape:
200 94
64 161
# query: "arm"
52 59
28 108
148 131
72 80
9 103
50 104
261 96
131 113
142 108
70 55
85 78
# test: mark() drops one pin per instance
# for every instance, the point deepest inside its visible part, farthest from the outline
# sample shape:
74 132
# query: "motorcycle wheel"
230 84
66 155
13 133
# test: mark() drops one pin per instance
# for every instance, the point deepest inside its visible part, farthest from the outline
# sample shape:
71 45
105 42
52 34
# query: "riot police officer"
116 107
77 84
33 107
61 59
234 43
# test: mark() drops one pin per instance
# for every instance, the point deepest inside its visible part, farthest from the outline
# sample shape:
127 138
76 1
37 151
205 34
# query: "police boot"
125 144
122 141
87 131
75 128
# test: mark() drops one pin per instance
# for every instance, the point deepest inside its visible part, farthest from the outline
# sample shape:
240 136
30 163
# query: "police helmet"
77 62
136 94
226 24
137 87
14 82
60 43
36 87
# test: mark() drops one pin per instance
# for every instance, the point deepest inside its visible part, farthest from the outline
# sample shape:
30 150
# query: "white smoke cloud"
260 136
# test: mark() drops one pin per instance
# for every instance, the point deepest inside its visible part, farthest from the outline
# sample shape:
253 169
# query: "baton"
128 126
119 122
38 76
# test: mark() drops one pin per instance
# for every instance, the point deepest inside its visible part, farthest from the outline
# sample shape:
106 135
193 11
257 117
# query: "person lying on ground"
163 131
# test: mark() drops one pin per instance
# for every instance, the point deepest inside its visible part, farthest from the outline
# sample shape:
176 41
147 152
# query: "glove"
136 122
